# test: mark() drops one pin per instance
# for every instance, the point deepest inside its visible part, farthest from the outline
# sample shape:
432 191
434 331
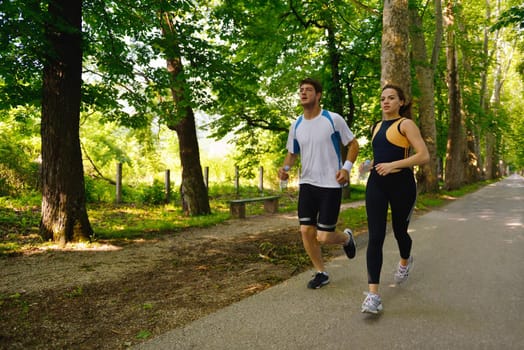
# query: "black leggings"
400 191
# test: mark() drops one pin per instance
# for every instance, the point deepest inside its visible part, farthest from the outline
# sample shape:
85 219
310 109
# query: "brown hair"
405 109
316 84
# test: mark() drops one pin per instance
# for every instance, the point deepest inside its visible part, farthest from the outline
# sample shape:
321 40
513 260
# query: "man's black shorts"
319 206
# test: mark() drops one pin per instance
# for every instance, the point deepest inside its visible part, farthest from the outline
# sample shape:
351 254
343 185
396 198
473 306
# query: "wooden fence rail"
167 182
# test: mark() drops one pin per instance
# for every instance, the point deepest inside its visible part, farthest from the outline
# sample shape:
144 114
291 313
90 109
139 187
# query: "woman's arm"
421 155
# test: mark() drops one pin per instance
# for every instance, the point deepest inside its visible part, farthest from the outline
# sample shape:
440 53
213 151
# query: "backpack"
335 136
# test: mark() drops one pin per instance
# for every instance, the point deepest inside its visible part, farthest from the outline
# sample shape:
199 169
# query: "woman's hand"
365 167
384 169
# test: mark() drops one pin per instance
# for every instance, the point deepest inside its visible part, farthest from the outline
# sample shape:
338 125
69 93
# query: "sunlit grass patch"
130 221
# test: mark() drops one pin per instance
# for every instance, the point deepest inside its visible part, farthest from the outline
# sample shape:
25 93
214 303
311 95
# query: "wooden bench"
238 206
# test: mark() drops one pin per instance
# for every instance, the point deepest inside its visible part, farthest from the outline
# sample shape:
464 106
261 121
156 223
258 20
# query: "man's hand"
283 173
342 176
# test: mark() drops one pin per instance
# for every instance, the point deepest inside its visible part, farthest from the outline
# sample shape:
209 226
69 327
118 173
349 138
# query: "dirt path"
113 296
53 268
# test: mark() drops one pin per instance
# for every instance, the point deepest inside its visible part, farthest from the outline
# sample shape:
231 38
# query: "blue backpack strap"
326 115
335 137
296 146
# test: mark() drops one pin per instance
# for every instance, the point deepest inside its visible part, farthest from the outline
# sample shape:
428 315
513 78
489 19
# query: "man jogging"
316 136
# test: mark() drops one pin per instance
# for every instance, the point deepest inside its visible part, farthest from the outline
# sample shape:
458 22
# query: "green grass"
426 202
19 218
131 222
355 218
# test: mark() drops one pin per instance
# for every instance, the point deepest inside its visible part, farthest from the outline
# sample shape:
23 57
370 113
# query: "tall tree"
508 27
427 176
395 60
470 54
483 94
132 37
502 58
193 190
64 214
454 174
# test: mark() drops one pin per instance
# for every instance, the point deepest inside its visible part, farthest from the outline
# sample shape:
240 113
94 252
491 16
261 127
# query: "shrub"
154 194
17 171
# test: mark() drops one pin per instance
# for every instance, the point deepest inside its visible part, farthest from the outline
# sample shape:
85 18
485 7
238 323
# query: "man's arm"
353 148
343 174
288 162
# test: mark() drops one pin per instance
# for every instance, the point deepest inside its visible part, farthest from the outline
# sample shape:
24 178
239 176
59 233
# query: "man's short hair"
316 84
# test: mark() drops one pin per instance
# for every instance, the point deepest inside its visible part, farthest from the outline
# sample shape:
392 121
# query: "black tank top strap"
375 127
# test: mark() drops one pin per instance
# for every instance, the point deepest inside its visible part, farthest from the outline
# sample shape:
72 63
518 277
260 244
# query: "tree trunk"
472 154
491 164
472 168
492 169
395 46
64 215
336 93
455 155
193 189
427 176
492 138
483 103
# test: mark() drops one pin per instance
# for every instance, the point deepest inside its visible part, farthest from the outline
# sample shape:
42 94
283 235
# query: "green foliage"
17 299
19 170
154 194
21 48
466 189
19 221
133 221
14 176
101 191
75 293
512 16
144 334
242 62
98 191
147 306
428 201
287 44
355 218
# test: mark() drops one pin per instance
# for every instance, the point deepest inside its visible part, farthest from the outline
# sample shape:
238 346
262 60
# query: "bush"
99 191
154 194
17 172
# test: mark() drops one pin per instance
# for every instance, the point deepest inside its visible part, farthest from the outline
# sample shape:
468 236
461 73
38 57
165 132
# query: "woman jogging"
391 182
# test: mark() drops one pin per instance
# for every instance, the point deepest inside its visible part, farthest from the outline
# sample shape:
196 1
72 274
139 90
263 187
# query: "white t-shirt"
319 159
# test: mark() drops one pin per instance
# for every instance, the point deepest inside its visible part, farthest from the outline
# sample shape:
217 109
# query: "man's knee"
308 232
323 237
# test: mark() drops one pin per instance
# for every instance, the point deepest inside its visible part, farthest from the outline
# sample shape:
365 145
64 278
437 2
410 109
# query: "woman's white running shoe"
402 273
372 304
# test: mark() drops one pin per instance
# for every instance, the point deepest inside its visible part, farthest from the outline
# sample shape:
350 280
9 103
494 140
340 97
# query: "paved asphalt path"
466 291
